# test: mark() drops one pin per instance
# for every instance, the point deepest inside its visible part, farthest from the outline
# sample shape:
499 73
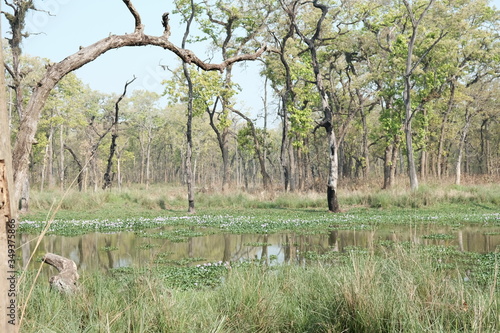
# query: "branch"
121 97
138 24
166 25
441 36
8 69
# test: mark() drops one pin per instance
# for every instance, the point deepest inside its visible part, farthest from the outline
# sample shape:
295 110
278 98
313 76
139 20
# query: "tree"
333 121
410 66
114 136
8 287
257 147
55 72
231 26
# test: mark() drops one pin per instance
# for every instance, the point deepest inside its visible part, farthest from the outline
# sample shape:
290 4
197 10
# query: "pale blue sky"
78 23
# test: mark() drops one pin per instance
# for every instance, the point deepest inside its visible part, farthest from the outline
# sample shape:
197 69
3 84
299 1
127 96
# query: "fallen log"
66 280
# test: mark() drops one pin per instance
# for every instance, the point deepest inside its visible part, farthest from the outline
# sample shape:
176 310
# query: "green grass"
397 289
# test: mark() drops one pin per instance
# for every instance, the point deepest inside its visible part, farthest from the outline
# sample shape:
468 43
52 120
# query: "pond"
104 251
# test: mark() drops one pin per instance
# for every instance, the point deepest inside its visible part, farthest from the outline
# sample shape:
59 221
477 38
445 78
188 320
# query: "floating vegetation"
265 221
257 244
178 262
438 236
148 246
109 248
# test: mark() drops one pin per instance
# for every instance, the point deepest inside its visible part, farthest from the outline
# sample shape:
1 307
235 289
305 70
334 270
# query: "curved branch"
135 14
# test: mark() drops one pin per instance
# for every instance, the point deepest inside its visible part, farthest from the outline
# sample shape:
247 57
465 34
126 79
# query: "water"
99 251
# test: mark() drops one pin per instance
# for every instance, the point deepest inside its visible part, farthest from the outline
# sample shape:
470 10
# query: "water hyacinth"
263 224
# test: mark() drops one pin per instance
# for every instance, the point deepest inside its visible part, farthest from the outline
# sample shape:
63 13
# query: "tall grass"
137 200
402 290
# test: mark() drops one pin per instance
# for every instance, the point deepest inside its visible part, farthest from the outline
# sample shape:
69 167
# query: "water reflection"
99 251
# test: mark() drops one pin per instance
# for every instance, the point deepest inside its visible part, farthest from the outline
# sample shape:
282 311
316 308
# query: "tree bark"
410 67
8 284
412 170
189 122
327 122
114 136
444 121
287 98
61 157
461 145
365 149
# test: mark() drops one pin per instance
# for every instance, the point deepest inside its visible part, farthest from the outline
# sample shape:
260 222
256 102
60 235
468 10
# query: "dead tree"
114 136
66 280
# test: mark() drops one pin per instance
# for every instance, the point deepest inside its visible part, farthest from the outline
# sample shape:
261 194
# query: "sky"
75 23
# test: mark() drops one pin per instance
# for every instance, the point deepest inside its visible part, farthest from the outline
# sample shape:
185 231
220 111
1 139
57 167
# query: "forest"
384 112
354 90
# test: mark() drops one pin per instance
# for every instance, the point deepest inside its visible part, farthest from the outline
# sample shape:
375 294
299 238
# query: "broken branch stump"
66 280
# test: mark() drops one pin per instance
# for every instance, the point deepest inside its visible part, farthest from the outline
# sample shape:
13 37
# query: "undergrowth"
138 201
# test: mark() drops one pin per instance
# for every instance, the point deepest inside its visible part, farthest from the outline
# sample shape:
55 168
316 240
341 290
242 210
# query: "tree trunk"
222 142
333 204
285 164
50 165
8 285
266 179
461 145
410 66
423 153
444 121
485 148
189 129
412 170
61 157
47 167
292 177
119 169
366 152
387 167
114 136
327 122
148 161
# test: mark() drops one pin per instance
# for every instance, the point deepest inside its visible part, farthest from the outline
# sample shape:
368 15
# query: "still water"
101 251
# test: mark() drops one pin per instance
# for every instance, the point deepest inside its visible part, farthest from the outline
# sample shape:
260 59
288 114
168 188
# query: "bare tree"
114 136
